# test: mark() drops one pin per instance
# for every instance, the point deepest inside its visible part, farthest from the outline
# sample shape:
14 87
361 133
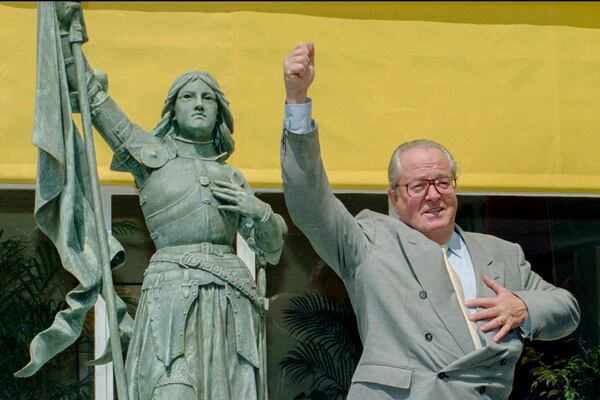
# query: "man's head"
421 175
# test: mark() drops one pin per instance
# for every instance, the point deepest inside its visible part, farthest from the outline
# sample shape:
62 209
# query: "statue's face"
196 111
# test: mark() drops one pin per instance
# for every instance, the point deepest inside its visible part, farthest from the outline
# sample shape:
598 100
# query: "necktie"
458 289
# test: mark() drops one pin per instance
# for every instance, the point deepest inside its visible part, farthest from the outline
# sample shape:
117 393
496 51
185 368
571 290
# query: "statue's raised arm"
107 117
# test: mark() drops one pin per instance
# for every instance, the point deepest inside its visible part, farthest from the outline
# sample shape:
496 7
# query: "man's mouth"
435 211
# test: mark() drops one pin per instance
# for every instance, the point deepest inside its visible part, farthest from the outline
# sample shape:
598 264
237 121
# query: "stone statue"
196 328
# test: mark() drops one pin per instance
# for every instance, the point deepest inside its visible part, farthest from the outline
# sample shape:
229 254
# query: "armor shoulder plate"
148 150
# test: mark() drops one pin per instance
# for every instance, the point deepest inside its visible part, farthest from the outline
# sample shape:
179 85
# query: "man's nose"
432 192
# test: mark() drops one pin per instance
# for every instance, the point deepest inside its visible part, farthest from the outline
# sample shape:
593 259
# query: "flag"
63 203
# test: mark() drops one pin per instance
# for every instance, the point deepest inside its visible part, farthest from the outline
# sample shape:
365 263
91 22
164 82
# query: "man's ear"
392 195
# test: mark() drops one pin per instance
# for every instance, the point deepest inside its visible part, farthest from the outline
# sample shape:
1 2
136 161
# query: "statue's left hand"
238 200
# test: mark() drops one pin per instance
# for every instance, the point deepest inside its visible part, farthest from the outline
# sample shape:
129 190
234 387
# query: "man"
442 313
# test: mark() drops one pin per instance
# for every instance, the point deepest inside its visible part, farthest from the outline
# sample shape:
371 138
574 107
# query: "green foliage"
29 287
328 345
573 378
122 229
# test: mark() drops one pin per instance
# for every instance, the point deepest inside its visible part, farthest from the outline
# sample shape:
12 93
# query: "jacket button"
481 389
443 376
423 294
428 337
503 361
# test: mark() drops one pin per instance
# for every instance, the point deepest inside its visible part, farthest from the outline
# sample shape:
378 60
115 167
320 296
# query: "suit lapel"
426 260
483 264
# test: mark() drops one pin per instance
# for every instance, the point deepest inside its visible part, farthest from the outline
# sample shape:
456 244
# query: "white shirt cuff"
298 118
526 327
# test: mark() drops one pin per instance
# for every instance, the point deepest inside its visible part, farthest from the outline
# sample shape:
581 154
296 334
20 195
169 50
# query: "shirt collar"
456 244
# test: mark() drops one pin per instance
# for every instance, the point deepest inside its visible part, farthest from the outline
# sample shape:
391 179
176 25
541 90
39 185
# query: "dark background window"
560 237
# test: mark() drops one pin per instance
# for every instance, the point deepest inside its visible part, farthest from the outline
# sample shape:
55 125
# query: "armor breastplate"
179 207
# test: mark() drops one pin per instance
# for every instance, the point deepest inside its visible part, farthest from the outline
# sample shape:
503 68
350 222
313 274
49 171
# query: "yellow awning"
512 89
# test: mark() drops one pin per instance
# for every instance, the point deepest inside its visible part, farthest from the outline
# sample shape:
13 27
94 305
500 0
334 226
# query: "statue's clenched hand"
239 200
299 72
66 12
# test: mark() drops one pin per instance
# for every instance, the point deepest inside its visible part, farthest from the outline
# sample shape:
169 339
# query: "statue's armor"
181 213
187 213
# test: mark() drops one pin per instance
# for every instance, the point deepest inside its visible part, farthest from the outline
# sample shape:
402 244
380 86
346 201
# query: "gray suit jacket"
416 342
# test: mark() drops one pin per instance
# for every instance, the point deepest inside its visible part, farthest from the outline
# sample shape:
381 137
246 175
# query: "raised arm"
331 229
108 118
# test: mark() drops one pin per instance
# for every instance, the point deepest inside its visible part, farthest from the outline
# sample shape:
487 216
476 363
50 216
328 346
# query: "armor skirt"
195 332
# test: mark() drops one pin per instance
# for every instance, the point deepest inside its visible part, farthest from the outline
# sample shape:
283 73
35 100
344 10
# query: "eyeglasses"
419 187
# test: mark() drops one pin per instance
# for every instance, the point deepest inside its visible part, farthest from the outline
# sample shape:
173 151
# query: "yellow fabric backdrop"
512 89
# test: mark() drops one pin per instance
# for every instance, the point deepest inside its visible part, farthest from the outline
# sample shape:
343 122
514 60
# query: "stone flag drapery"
63 206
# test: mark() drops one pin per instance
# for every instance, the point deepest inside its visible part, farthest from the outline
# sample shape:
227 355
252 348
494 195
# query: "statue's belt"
204 248
194 260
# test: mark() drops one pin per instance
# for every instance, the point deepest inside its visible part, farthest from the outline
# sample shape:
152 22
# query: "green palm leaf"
328 345
29 289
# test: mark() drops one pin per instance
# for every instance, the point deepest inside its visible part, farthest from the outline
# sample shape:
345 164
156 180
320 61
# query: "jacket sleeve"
332 231
553 311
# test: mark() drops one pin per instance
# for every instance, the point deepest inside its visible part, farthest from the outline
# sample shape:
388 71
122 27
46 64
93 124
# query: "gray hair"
394 167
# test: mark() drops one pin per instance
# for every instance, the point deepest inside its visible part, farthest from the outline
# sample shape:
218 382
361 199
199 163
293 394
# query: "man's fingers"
485 302
303 55
492 284
301 46
496 323
300 60
296 65
295 70
311 52
484 314
299 55
503 332
487 326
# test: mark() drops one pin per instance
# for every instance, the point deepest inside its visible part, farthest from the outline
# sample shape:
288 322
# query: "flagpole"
108 292
261 288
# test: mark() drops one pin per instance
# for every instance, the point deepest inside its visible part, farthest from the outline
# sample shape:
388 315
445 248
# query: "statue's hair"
395 169
223 131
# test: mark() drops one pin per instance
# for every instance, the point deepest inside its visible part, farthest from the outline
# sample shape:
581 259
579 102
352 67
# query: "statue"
196 330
